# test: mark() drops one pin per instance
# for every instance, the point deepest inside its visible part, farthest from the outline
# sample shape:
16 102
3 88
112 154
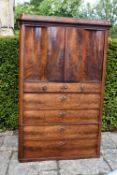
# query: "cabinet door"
83 55
59 54
44 53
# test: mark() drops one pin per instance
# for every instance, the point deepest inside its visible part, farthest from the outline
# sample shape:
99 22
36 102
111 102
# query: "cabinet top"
63 20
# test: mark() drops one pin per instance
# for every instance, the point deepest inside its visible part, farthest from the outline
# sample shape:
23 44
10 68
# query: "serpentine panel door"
62 69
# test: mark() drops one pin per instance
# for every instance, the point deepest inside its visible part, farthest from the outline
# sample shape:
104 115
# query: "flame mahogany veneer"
61 82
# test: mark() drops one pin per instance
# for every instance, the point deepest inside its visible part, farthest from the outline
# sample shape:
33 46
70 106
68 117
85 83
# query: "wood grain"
62 87
59 155
58 144
59 148
55 60
31 62
21 78
60 132
102 90
53 20
60 116
61 101
44 55
84 55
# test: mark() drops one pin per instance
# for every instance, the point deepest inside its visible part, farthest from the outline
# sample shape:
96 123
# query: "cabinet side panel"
21 77
102 89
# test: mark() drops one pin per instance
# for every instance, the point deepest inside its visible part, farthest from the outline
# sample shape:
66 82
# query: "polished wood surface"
44 60
102 90
61 116
65 62
32 86
27 19
61 101
60 148
83 47
21 77
61 87
60 132
59 154
52 144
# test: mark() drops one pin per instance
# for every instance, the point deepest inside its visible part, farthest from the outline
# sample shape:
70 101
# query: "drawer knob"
61 129
61 114
64 87
61 143
82 88
44 88
63 98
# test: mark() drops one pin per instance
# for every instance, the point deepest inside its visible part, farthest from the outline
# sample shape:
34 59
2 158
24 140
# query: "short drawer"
60 132
62 87
61 148
61 101
60 116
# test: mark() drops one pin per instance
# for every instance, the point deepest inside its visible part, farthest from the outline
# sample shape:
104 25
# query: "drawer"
61 148
61 101
62 87
60 132
60 116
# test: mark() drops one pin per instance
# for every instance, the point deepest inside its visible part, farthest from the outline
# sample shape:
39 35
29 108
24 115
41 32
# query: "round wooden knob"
44 88
61 114
63 98
82 88
61 143
64 87
61 129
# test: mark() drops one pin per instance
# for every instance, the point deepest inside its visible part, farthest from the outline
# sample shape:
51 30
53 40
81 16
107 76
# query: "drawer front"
60 132
60 116
61 148
62 87
61 101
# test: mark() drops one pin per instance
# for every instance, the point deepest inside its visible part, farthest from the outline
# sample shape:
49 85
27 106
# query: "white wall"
6 15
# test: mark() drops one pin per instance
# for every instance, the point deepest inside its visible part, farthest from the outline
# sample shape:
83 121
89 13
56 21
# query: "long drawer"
61 101
59 132
62 148
60 116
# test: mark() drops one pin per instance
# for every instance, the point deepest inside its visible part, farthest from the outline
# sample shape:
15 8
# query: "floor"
9 164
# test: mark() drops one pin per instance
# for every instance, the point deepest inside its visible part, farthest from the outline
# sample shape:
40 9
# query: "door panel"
84 55
55 58
57 54
44 53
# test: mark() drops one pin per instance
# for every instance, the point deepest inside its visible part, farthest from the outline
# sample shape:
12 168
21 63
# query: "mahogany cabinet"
61 82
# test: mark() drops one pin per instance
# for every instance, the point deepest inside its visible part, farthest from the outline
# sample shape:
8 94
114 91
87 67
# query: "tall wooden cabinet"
61 82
